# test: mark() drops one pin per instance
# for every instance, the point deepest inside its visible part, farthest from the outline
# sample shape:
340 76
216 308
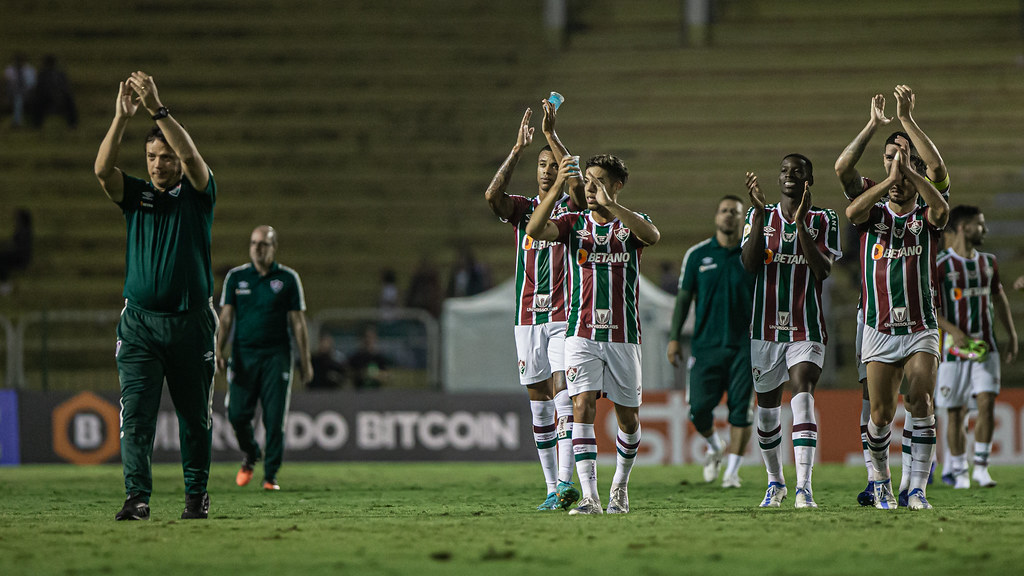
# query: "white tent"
479 349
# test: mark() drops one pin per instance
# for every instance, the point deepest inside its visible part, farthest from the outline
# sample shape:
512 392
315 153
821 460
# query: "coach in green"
167 327
713 274
262 309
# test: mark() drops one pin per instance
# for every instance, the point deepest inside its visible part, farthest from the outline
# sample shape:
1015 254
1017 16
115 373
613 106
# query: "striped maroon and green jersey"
897 261
942 187
787 296
966 287
541 290
604 278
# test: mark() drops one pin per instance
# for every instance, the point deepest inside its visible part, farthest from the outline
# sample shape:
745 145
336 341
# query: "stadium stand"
366 131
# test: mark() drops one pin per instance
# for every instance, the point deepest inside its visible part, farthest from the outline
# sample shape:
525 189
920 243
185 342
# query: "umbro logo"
768 230
583 234
881 228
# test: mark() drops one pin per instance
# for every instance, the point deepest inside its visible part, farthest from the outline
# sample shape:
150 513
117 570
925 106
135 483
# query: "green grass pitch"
464 518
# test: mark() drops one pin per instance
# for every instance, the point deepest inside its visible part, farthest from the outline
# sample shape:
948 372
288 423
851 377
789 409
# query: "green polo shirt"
261 305
167 260
723 291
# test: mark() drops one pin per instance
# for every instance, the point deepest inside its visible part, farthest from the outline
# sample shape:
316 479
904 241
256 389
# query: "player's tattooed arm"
496 196
846 164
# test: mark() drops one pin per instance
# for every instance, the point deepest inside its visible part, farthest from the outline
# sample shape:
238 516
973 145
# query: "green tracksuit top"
167 261
262 304
722 291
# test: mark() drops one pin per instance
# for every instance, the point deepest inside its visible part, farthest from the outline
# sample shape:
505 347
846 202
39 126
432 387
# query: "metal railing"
42 345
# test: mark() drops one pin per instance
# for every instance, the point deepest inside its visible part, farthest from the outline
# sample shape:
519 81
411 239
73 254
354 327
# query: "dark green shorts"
714 372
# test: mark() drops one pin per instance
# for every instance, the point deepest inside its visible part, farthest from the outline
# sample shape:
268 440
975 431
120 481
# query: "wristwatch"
161 112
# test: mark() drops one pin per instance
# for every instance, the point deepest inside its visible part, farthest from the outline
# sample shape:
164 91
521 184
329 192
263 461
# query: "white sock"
563 409
878 444
626 446
922 451
544 428
865 414
957 464
715 444
907 459
805 437
584 449
982 450
769 438
732 467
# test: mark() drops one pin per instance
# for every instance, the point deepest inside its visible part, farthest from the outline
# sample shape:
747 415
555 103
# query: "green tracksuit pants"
152 348
263 376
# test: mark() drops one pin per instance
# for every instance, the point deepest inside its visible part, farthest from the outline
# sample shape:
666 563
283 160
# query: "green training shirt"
262 304
167 260
722 290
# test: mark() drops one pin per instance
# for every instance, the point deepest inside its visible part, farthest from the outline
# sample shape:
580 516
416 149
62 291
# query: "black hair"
959 214
155 133
805 160
613 165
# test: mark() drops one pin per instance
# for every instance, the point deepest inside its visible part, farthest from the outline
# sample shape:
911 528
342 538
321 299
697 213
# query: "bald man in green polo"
262 311
167 327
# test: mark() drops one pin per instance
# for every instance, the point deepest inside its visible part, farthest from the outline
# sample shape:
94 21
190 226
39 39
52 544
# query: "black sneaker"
135 508
197 506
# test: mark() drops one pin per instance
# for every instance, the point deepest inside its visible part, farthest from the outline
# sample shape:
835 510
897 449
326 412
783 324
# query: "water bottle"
556 99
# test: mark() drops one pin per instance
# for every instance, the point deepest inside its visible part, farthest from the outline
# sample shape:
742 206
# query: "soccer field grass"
462 518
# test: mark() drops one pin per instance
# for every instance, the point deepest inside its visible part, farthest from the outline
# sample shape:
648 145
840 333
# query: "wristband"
161 113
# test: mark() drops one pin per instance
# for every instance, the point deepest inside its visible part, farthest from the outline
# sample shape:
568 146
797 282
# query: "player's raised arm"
540 226
938 208
107 172
496 195
643 229
925 147
846 164
820 264
752 254
860 208
192 164
559 151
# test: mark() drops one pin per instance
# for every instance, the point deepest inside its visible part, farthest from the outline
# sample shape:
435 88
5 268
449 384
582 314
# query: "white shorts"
879 347
958 380
862 367
770 361
609 367
541 351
